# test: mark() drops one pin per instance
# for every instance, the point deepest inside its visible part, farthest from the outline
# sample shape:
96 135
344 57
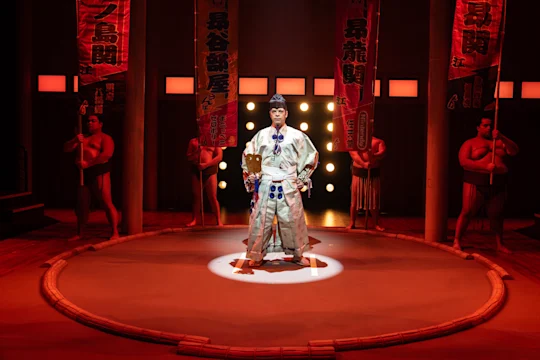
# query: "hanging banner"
475 54
102 42
355 53
217 72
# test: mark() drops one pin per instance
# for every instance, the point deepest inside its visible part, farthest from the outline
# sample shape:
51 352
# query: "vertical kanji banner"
102 41
475 54
355 53
217 72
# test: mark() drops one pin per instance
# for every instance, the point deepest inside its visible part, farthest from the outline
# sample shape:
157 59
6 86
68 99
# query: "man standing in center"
288 158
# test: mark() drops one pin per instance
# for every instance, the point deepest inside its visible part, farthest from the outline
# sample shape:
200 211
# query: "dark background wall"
292 39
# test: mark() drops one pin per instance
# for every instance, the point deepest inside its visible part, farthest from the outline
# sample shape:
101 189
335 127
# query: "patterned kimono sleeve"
250 149
308 160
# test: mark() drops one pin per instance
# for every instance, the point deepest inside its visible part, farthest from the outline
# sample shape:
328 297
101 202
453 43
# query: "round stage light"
304 189
330 106
250 126
250 106
247 144
330 167
223 165
304 126
224 148
330 127
329 187
329 146
304 106
222 184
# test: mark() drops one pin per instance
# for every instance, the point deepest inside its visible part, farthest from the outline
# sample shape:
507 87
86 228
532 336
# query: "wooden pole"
81 149
196 85
440 35
369 124
498 87
133 141
23 124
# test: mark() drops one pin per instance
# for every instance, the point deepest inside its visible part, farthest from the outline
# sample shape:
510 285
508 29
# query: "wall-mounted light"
51 83
330 167
329 146
330 106
179 85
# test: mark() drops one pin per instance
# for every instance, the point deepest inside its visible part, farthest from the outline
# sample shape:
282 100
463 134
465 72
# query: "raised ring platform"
191 288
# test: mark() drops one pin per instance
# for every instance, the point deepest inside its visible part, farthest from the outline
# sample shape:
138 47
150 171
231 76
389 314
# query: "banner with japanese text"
217 72
355 56
475 54
103 42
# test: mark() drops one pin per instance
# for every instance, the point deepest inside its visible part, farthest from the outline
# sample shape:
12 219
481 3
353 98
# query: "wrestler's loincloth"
206 173
368 192
91 173
363 173
481 182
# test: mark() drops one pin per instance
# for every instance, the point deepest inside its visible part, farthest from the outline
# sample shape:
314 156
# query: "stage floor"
191 283
194 282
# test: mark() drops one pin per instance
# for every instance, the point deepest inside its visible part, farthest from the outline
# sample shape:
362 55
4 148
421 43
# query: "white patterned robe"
278 193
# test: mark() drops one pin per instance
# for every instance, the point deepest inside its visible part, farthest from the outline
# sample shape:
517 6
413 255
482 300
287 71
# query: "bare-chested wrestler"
98 148
205 158
475 156
366 195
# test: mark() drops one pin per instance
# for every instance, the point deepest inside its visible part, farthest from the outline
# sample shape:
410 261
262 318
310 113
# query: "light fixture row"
397 87
303 106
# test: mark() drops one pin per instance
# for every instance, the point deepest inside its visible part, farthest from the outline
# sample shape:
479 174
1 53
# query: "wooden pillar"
133 141
440 26
150 199
24 95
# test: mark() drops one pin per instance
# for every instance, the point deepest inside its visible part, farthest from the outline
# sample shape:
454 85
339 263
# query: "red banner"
102 41
217 72
475 54
356 36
